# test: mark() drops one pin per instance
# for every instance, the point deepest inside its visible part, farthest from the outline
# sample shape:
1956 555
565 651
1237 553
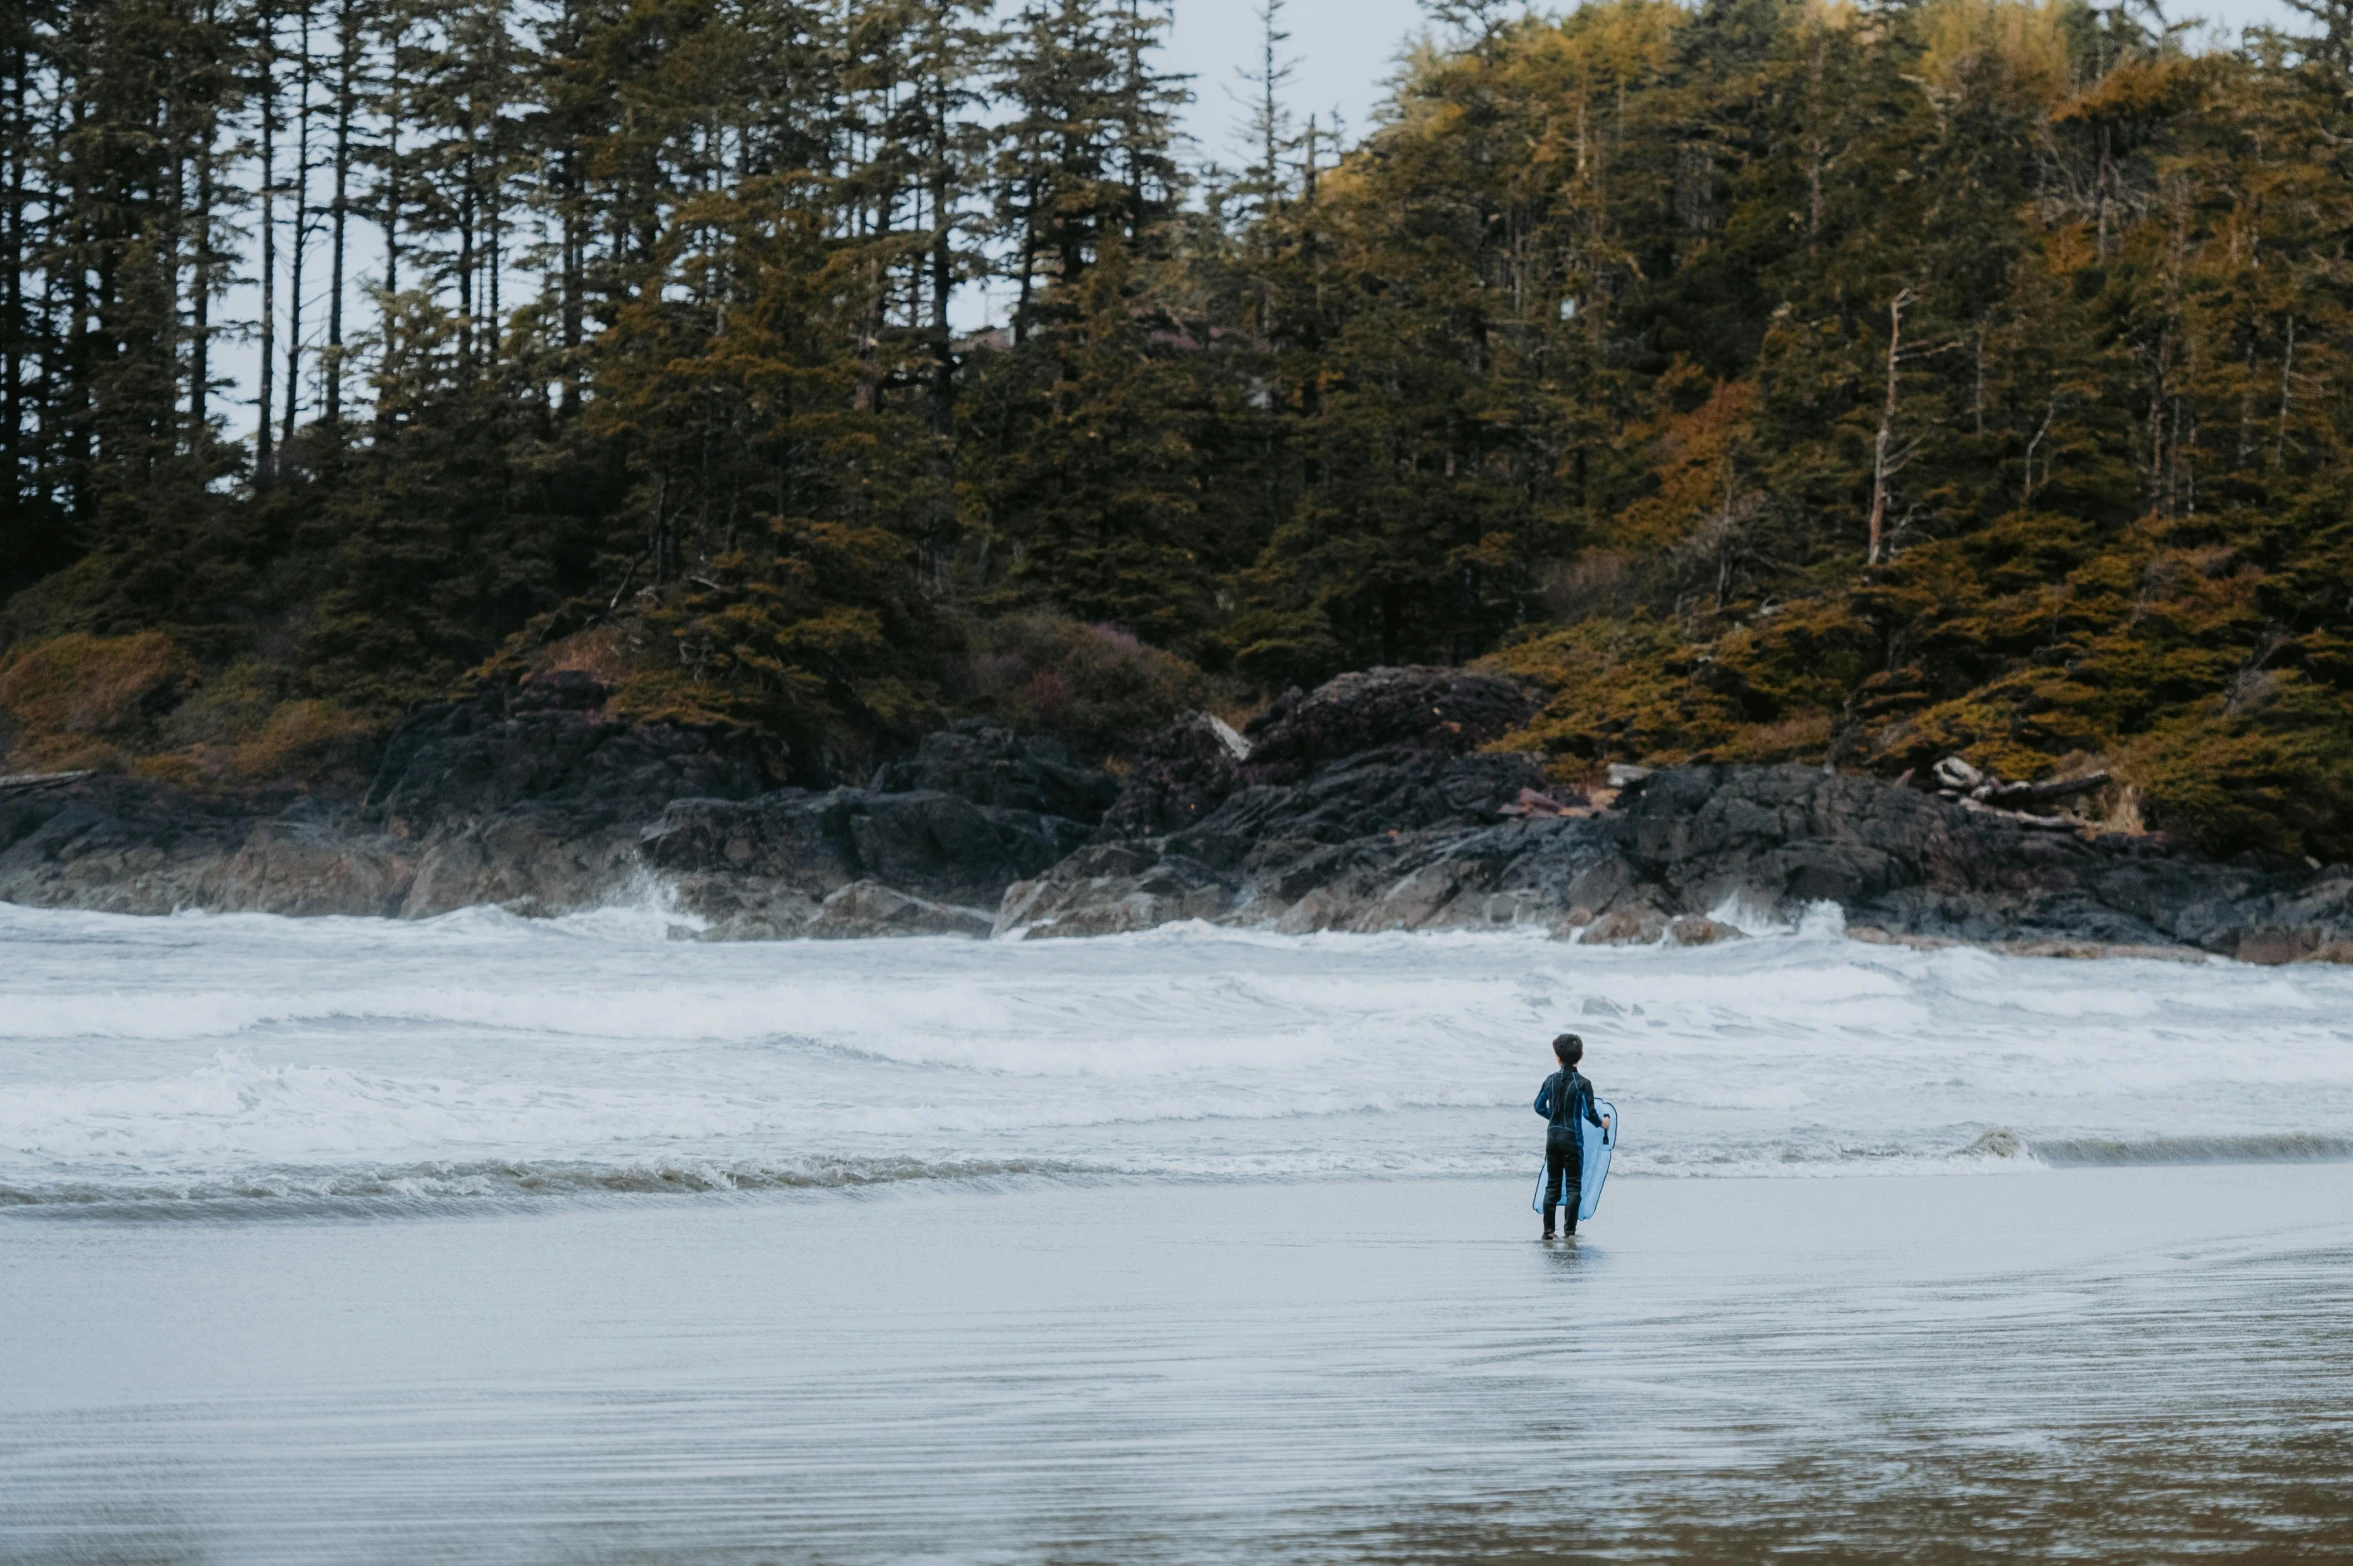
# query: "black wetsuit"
1564 1149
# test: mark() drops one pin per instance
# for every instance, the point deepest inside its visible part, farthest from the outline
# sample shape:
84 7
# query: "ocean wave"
479 1180
394 1187
2267 1147
610 1010
195 1059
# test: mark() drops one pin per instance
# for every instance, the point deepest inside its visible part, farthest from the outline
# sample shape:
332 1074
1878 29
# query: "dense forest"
1763 381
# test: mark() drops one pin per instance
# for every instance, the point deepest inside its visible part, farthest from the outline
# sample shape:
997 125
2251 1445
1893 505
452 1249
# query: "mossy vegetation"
91 701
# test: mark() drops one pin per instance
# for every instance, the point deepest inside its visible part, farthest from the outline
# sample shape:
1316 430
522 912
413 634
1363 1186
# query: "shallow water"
255 1061
492 1240
2120 1365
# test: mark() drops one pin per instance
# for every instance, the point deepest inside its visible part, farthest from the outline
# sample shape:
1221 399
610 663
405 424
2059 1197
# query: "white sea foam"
482 1054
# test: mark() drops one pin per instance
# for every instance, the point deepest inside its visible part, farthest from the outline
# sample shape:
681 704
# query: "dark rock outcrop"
1388 729
868 908
989 764
547 742
537 798
532 796
1905 863
767 867
124 845
1410 833
1445 711
1369 804
1178 777
1113 888
1318 820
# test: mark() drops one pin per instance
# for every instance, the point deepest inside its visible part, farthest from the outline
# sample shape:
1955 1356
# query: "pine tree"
1086 155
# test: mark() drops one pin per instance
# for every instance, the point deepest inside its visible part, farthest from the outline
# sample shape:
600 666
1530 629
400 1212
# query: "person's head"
1569 1048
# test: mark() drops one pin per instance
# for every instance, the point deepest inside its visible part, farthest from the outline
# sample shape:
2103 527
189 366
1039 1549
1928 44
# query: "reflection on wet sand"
2112 1365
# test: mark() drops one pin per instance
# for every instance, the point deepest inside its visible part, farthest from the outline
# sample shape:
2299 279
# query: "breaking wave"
2282 1147
265 1063
440 1184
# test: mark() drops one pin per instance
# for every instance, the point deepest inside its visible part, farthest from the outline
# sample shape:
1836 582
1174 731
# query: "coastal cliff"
1376 802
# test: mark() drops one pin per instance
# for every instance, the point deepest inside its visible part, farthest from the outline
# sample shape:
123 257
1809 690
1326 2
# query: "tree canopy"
1763 380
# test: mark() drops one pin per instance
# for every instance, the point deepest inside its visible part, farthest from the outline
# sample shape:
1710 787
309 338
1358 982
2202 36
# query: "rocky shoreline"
1369 804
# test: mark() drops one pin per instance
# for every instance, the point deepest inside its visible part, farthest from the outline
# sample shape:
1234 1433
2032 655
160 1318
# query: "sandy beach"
2123 1364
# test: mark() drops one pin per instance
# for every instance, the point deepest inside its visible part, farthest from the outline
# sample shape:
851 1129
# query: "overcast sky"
1345 51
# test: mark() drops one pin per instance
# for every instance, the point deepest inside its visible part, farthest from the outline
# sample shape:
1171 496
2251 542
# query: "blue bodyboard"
1597 1143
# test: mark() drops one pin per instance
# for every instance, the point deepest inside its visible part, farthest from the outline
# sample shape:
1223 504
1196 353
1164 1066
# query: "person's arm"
1544 1098
1591 1113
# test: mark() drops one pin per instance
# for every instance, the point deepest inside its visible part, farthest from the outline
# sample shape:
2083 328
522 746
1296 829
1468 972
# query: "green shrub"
1094 687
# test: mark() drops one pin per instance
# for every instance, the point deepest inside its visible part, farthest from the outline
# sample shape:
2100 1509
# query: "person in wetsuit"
1565 1098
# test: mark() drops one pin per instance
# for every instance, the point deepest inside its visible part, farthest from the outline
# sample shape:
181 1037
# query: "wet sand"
2123 1364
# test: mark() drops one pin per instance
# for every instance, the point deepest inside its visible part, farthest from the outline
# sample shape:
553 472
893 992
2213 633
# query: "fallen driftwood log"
2033 823
1957 780
29 782
2041 793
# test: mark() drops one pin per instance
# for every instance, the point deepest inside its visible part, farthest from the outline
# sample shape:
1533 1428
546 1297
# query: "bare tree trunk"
347 65
388 217
493 195
80 350
1881 454
575 246
493 232
573 243
2026 483
1028 267
466 256
943 274
302 115
264 454
200 292
162 421
16 140
204 131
